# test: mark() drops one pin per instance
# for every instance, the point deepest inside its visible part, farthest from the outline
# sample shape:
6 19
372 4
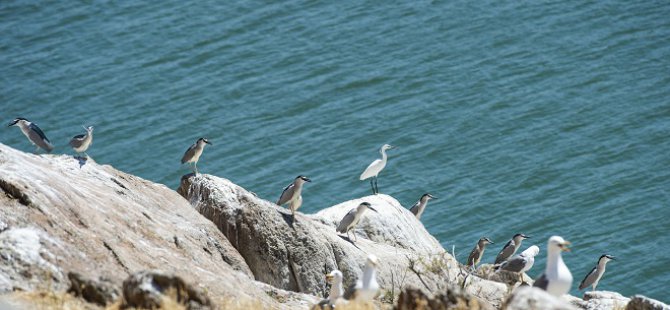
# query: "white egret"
373 170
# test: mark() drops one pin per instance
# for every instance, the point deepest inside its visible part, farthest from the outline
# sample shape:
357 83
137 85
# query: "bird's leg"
372 185
376 186
86 154
195 165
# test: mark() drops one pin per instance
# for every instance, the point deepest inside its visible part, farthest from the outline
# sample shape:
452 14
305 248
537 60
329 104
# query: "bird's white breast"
560 279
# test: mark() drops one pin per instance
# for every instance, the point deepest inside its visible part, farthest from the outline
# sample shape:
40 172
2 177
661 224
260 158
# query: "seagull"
293 194
375 168
80 143
510 248
336 291
520 263
478 252
367 287
594 276
192 155
351 219
556 279
33 133
418 208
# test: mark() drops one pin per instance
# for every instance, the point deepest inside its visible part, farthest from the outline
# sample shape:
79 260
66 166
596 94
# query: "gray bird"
80 143
351 219
293 194
478 252
33 133
192 155
593 277
510 248
520 263
418 208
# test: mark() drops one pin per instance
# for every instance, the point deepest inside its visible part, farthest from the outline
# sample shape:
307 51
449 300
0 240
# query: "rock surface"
532 298
149 289
453 298
101 222
639 302
102 291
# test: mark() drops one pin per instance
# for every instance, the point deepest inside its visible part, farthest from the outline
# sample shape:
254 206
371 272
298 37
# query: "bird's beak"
210 143
564 246
329 277
393 147
526 237
11 124
308 180
613 258
373 209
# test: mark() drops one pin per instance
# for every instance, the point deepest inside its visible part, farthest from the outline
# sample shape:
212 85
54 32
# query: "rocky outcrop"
101 291
639 302
58 217
150 290
532 298
453 298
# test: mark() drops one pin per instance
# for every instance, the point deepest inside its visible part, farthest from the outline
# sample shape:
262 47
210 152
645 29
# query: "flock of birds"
556 279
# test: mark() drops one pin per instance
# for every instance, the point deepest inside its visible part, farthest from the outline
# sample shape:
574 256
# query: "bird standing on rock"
418 208
293 194
556 279
478 251
367 288
192 155
336 295
351 219
80 143
594 276
373 170
34 134
510 248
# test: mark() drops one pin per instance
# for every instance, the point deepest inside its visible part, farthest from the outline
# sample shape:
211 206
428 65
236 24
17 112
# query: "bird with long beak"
293 194
367 287
478 251
556 279
510 248
593 277
418 208
373 170
351 219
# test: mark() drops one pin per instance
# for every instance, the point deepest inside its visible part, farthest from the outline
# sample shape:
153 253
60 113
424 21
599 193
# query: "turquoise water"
536 117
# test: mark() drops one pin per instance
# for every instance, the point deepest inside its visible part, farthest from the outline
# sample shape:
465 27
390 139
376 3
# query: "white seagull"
375 168
556 279
367 287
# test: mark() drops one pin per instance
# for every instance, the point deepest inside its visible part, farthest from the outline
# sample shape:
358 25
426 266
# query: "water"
543 117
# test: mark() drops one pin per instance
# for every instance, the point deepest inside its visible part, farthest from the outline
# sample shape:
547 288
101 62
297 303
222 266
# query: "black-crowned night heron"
33 133
593 277
351 219
375 168
293 194
80 143
192 155
418 208
478 251
556 279
510 248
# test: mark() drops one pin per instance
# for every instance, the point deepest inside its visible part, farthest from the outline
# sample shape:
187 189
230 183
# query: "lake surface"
544 117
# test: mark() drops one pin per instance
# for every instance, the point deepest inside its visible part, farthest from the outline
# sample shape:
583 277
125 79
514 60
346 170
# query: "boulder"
101 291
454 298
602 300
59 216
532 298
150 289
295 255
639 302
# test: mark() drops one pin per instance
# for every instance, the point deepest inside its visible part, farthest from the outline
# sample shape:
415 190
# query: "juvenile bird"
478 251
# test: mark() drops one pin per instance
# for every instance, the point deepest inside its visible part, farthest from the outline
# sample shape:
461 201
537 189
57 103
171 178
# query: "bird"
80 143
367 288
336 295
351 219
510 248
556 279
418 208
33 133
192 155
293 194
373 170
478 251
594 276
520 263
